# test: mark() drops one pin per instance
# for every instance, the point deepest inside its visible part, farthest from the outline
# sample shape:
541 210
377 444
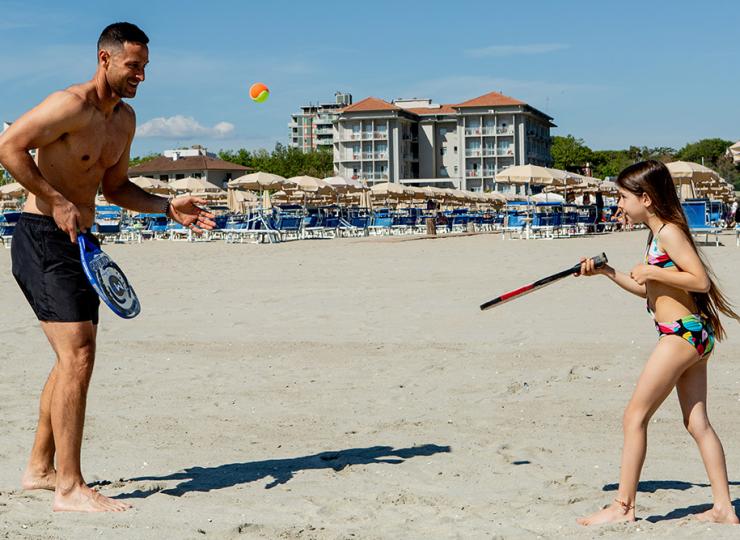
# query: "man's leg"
74 344
40 473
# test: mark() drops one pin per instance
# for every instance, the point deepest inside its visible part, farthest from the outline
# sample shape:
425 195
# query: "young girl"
685 304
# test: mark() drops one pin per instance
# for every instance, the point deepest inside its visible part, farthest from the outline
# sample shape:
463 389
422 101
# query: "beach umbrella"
192 184
345 185
687 170
548 197
210 194
687 175
309 184
239 200
12 190
151 185
391 188
258 181
533 174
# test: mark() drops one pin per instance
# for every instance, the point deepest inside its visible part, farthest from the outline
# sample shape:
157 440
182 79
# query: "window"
179 176
164 177
443 151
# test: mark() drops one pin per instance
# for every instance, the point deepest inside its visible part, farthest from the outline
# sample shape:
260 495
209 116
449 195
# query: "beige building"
182 162
463 145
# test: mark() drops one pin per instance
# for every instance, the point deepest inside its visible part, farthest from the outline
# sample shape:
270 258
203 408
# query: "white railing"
472 153
367 155
381 155
505 131
489 131
381 135
472 131
367 135
472 173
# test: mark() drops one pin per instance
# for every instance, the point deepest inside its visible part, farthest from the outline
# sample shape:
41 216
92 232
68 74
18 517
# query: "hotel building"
464 145
312 128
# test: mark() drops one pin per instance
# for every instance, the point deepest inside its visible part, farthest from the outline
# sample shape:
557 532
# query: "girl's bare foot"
84 499
39 480
719 515
614 513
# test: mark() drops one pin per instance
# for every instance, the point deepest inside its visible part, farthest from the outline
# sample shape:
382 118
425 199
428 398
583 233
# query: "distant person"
83 135
733 215
685 304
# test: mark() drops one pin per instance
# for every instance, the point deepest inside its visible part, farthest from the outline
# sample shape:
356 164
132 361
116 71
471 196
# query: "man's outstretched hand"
186 211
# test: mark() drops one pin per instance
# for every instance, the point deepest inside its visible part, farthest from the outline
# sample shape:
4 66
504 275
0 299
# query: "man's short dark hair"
116 34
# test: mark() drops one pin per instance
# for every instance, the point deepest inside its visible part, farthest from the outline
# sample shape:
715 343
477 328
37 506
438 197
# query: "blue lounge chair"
697 216
8 221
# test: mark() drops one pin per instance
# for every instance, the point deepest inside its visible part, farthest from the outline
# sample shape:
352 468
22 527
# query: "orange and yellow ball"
259 92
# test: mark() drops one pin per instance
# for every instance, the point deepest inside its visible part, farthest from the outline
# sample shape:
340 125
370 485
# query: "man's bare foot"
39 480
719 515
613 513
84 499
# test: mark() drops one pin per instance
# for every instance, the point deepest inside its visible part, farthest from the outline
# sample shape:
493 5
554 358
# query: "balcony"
351 136
509 130
489 172
367 136
472 152
505 152
473 131
352 157
323 131
374 176
382 135
489 131
381 155
367 155
473 173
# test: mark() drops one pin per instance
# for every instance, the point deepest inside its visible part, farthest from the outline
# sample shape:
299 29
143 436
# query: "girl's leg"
670 358
692 395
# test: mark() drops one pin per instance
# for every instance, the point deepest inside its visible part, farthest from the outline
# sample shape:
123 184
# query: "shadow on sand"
280 470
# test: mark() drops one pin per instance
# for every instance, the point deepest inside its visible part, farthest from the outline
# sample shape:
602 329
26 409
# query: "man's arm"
118 189
61 112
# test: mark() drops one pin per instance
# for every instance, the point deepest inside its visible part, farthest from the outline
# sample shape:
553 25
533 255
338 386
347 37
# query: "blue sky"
653 73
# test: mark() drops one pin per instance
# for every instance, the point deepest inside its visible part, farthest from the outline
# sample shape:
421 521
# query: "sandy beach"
352 389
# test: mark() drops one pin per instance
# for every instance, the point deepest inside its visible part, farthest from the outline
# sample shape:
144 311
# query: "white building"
464 145
311 129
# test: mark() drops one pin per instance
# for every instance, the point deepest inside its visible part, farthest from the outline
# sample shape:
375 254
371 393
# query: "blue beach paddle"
107 279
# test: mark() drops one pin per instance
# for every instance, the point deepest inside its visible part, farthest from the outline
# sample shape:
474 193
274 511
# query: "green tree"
707 150
283 160
569 153
133 162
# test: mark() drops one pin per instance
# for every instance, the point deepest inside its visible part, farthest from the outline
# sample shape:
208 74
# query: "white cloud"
182 127
511 50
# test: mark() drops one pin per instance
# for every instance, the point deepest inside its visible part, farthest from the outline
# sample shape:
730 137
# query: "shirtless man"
83 135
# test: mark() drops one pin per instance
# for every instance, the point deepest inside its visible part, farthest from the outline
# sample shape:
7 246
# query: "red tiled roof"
491 99
371 104
443 109
190 163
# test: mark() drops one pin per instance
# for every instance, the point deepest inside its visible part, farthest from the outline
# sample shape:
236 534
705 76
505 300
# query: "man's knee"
80 358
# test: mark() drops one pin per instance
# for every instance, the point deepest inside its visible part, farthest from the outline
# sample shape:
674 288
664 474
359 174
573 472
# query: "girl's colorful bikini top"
656 256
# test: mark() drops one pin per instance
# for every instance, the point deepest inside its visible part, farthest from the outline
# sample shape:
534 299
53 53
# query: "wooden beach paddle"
599 261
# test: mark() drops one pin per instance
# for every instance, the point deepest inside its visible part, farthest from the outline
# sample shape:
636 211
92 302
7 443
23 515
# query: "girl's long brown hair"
652 177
